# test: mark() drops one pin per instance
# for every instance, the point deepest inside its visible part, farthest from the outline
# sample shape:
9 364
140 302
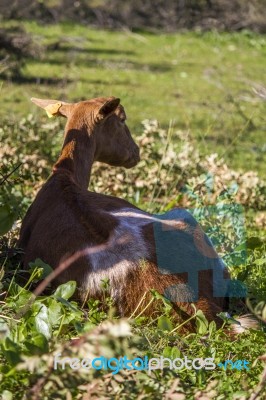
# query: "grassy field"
201 81
199 88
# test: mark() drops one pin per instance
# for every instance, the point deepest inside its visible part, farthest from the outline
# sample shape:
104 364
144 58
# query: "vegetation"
169 15
200 125
201 82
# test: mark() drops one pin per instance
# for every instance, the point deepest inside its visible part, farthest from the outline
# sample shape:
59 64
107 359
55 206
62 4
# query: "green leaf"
165 324
37 345
227 318
15 289
167 352
55 311
73 312
18 296
263 315
7 219
140 320
167 303
12 351
260 261
212 327
240 247
41 319
46 269
175 353
171 352
66 290
201 323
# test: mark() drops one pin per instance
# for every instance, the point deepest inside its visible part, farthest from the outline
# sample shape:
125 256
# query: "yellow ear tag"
52 109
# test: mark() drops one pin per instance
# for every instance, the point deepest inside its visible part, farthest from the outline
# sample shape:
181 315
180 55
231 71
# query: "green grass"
201 81
203 84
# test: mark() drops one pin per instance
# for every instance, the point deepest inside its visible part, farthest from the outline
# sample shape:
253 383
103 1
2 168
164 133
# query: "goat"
65 218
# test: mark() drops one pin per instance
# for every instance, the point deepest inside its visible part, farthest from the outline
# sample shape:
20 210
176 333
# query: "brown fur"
65 218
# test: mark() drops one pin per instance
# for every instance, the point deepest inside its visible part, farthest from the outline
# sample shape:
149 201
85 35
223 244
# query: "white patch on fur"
141 218
124 250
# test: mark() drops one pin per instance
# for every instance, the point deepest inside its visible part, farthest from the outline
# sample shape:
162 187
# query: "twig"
10 173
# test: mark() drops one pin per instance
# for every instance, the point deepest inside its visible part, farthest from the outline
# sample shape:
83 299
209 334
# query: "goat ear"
54 107
108 107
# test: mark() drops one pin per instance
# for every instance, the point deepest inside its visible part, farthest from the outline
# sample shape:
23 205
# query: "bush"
168 15
15 47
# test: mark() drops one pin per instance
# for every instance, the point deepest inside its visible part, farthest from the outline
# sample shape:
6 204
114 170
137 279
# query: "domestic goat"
66 219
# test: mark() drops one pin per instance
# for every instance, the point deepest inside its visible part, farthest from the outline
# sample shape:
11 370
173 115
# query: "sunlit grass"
202 82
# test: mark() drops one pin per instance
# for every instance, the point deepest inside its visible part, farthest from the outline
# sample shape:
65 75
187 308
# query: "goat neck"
77 153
